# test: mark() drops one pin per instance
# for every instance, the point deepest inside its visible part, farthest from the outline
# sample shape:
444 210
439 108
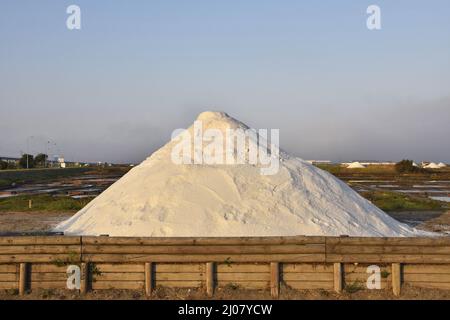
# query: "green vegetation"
406 166
27 161
394 201
339 170
9 177
42 203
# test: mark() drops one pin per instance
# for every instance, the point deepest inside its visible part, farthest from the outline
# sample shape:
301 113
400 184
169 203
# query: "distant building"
10 159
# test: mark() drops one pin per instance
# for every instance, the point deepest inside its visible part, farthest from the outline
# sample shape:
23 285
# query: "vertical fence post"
23 276
396 278
274 279
338 277
210 278
148 278
84 277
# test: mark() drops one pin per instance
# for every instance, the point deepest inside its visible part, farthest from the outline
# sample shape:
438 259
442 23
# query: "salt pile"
159 198
355 165
432 165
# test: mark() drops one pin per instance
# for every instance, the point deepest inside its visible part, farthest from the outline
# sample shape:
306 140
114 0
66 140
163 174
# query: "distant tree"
406 166
23 161
3 165
40 159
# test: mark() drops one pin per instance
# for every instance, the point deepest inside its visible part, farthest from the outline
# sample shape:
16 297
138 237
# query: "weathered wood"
432 285
50 276
204 258
85 275
362 241
148 267
362 268
179 276
126 285
48 285
184 267
120 267
39 258
48 268
243 276
179 284
202 241
205 249
388 258
250 285
8 285
274 279
396 278
310 285
6 268
423 277
307 267
6 277
337 277
423 268
23 276
210 278
119 276
390 249
40 249
42 240
243 268
308 276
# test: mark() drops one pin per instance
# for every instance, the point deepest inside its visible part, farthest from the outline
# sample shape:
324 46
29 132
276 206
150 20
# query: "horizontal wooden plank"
201 241
120 267
388 258
6 277
257 276
130 285
431 285
53 258
179 284
361 241
8 268
205 249
389 249
40 249
164 267
49 276
41 240
424 277
120 276
233 267
310 285
47 267
204 258
179 276
9 285
48 285
250 285
362 268
423 268
306 267
307 276
363 277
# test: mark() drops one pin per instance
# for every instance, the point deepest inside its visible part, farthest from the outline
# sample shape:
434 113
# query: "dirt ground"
45 221
31 221
408 293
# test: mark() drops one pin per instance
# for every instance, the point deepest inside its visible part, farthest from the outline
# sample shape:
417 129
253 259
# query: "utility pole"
28 150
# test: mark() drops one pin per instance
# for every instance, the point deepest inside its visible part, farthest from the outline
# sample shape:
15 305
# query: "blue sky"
116 89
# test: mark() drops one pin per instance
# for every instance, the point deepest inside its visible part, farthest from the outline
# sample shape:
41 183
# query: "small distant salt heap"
355 165
441 165
159 198
432 165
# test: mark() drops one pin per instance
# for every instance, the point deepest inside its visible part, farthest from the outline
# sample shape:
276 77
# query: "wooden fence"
327 263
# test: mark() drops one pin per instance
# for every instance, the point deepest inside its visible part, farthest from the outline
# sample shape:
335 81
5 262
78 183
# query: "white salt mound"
161 199
355 165
441 165
432 166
